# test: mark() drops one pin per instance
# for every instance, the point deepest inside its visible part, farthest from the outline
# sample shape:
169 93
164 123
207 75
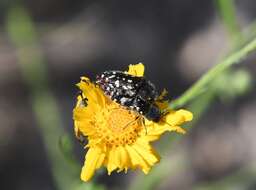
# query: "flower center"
118 126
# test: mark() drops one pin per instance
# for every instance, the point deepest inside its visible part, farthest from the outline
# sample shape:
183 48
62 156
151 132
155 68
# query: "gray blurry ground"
177 40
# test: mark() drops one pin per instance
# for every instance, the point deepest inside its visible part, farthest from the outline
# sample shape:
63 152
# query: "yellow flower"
119 138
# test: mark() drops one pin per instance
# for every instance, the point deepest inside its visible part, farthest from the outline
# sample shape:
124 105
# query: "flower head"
119 138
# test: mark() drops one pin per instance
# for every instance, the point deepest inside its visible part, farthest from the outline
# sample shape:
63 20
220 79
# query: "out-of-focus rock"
202 50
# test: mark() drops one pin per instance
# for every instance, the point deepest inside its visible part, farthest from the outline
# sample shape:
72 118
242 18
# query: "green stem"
202 83
227 11
33 69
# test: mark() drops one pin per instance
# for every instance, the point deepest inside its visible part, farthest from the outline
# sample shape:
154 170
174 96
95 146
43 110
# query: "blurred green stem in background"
233 83
227 12
34 72
201 95
203 83
33 69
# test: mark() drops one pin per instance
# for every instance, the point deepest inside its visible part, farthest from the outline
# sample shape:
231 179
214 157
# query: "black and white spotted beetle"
133 92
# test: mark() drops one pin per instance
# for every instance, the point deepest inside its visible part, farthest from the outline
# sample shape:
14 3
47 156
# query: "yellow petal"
136 70
100 161
177 129
147 152
151 127
124 158
175 118
76 128
93 160
159 129
137 160
111 162
92 92
152 137
118 158
82 114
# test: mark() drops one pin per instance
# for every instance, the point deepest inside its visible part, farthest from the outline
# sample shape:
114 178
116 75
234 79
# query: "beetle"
133 92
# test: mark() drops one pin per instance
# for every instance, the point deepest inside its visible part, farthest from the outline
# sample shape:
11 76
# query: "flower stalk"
201 85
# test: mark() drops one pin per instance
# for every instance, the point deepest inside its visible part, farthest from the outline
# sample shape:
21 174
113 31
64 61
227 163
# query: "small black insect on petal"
81 138
84 99
133 92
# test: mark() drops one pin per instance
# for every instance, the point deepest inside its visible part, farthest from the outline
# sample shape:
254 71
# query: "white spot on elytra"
112 76
117 83
123 100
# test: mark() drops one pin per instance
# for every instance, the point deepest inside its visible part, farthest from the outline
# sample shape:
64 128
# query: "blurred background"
46 45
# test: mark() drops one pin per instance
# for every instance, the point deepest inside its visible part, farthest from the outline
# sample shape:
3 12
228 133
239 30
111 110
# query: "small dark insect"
84 99
81 138
133 92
